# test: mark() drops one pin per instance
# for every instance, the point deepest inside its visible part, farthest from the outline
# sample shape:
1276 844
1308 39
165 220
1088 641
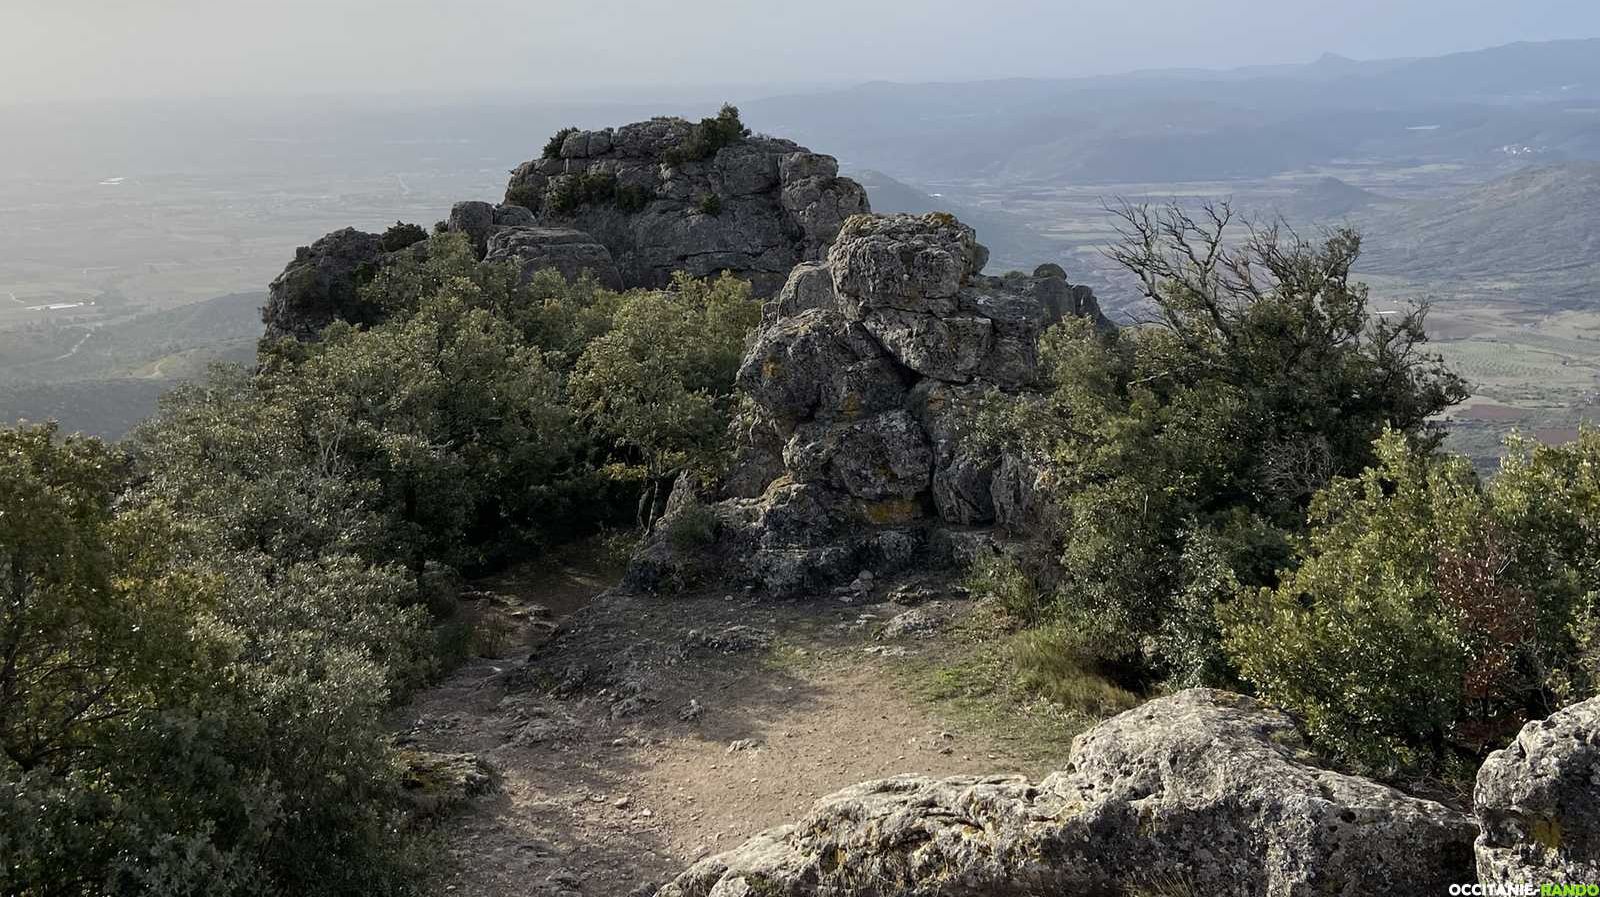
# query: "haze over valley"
716 449
1471 176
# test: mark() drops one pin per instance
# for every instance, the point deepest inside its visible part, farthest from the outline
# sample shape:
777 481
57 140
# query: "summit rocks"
866 375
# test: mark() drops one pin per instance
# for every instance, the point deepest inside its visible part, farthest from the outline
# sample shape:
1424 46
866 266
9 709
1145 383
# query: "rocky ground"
632 736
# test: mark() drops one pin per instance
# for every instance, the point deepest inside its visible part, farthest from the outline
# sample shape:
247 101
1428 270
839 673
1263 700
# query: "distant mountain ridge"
1185 125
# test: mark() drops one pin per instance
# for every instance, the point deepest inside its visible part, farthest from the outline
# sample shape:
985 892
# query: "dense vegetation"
1248 492
201 628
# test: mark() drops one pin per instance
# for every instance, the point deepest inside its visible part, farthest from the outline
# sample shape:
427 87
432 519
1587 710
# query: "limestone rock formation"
1538 802
867 372
571 252
756 207
1202 792
625 204
322 285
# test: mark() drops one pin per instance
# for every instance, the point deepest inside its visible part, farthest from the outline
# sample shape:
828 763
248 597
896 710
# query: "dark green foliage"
1430 616
182 719
709 135
1183 454
552 149
710 204
633 198
599 186
568 193
525 195
660 383
565 195
210 629
402 235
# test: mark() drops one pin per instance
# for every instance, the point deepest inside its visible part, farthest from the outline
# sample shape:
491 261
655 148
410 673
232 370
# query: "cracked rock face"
756 208
322 285
570 252
1203 790
867 373
1538 802
872 366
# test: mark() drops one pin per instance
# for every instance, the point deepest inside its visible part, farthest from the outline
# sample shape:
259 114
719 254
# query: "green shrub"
633 198
402 235
552 149
1001 578
565 194
568 193
710 204
693 527
709 135
1178 459
525 195
184 719
1052 662
1429 617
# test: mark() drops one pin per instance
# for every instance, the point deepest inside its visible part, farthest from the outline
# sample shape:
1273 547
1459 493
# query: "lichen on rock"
1538 802
866 374
1206 788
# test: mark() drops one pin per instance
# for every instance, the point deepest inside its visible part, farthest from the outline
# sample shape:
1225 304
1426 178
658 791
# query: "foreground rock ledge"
1204 791
1539 802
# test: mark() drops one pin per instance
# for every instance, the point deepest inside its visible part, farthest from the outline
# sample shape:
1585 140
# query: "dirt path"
648 733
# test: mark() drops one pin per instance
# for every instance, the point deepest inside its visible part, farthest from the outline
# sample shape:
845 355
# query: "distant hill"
1327 197
1539 227
103 379
1185 125
1013 242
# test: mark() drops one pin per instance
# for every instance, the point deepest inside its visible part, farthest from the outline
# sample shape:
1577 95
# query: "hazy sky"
52 49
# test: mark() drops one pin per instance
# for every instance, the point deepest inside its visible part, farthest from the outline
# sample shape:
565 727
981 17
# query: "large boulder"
570 252
867 376
756 207
323 284
1202 792
476 220
1538 802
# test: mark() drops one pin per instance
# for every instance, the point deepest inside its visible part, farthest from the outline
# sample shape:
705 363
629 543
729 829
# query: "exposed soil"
646 733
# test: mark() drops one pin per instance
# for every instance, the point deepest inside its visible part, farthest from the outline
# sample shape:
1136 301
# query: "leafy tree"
660 383
402 235
459 422
1181 453
1430 616
69 654
1360 639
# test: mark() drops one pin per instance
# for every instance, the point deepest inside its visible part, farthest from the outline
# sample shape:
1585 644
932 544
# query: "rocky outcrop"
1202 792
867 373
1538 802
572 253
756 207
323 285
628 205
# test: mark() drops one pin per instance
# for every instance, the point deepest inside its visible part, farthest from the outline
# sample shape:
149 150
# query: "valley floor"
646 733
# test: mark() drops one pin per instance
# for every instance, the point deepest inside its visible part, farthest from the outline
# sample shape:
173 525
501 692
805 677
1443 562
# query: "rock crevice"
866 375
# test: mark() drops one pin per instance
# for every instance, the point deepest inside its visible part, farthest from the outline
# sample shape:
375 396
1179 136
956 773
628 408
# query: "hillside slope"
104 378
1539 227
